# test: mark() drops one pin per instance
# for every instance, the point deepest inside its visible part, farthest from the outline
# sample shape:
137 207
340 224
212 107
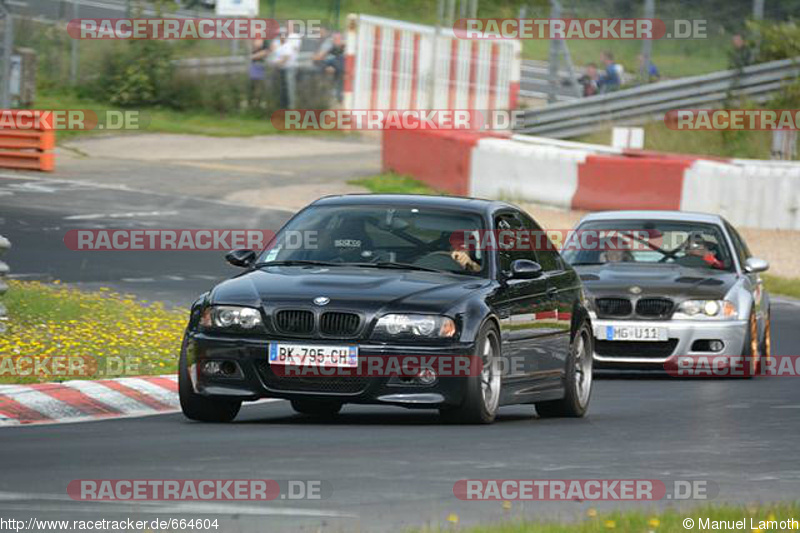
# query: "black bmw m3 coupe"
353 283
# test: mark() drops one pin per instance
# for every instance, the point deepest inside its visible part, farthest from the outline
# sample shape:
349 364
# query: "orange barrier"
27 149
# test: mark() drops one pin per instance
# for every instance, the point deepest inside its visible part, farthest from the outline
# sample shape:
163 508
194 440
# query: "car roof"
678 216
477 205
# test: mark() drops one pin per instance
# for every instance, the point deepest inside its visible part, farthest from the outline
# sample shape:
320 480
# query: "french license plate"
313 355
634 333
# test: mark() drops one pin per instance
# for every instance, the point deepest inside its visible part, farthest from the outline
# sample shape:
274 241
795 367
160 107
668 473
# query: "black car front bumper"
254 377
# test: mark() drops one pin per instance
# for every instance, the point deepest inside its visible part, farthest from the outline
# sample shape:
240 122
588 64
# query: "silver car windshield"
649 242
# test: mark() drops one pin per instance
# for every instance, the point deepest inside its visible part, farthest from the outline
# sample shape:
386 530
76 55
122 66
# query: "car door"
527 305
754 282
554 325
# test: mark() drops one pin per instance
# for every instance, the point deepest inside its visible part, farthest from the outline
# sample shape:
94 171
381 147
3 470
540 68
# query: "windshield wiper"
297 262
396 265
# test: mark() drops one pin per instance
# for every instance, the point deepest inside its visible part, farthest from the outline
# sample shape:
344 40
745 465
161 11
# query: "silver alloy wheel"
583 370
490 376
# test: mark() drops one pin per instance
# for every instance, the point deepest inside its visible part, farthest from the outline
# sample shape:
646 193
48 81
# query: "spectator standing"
284 58
589 80
259 51
329 57
612 77
648 70
741 54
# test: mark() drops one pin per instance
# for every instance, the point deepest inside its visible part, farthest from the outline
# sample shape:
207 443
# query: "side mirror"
755 265
241 257
525 269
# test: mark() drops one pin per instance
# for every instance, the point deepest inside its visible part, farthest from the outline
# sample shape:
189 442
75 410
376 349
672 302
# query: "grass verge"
670 521
784 286
158 120
56 332
389 182
743 144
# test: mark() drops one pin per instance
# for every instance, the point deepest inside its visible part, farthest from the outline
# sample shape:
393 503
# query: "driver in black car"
460 253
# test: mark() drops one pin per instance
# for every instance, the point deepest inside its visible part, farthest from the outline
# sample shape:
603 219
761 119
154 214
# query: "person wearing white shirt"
284 57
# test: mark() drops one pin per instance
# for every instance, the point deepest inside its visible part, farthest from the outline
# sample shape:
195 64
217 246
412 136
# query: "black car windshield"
420 238
649 242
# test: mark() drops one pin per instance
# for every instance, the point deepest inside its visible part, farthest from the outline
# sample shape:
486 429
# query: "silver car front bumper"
732 333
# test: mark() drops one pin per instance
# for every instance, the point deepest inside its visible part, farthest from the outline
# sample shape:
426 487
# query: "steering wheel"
439 259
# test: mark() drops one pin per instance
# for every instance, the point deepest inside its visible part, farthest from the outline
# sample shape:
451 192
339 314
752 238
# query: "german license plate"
313 355
633 333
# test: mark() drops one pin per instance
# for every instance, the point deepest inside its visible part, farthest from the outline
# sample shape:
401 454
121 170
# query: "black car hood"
365 289
674 281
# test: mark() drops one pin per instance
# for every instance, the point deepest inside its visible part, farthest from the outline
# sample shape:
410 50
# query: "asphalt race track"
388 468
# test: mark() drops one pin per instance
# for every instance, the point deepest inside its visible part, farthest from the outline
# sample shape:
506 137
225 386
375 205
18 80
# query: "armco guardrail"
226 65
535 82
637 105
4 245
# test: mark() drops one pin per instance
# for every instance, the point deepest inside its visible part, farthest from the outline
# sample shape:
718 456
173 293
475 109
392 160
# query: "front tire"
201 408
751 350
577 382
766 343
482 397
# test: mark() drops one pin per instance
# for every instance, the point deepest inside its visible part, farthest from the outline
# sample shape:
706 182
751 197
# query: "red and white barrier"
750 193
389 64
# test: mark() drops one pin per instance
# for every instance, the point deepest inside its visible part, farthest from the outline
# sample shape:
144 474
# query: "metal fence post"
4 245
73 63
8 45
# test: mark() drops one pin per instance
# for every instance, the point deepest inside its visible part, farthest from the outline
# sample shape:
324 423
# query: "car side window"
506 256
545 252
742 251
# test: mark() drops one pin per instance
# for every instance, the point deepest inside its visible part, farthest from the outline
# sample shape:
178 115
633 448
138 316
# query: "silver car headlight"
706 310
231 316
424 326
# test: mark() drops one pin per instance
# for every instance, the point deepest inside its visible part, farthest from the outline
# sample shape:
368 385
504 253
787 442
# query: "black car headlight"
706 310
415 326
231 317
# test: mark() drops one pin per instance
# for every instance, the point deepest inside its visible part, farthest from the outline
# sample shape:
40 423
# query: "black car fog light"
426 377
228 368
211 368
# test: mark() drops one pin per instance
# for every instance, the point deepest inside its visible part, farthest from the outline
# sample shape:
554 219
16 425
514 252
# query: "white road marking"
234 168
216 507
95 216
138 280
125 188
